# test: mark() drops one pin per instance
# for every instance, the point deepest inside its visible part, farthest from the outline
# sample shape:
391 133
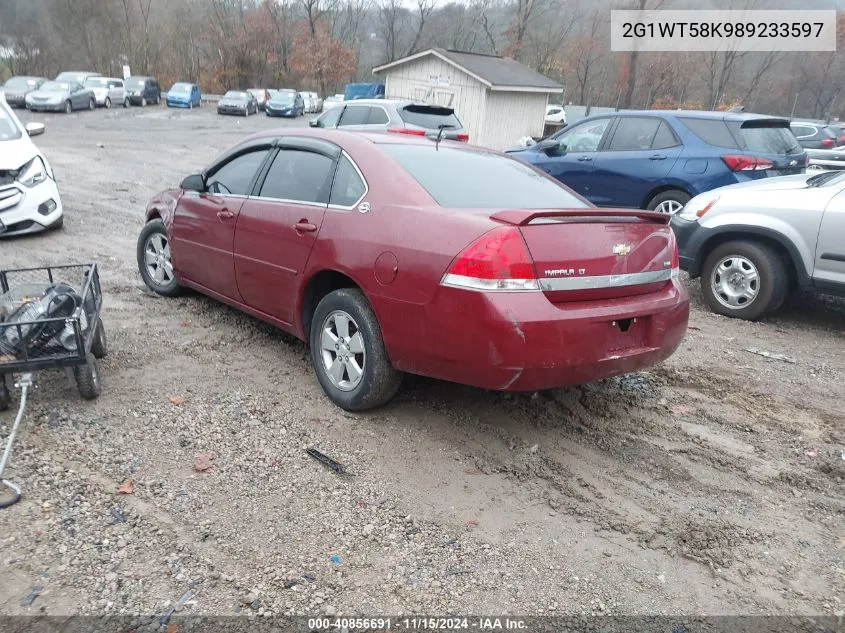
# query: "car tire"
92 104
153 241
126 103
68 107
669 202
99 342
88 378
143 102
107 103
734 270
378 381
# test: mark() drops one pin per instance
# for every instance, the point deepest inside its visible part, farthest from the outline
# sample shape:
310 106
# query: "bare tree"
424 9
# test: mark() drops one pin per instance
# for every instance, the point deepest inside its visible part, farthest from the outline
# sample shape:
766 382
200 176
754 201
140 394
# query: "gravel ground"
687 489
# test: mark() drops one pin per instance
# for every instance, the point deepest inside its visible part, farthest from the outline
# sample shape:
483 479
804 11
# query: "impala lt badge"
621 250
565 272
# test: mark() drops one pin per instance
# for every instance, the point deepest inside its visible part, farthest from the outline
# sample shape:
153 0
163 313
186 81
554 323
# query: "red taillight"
404 130
842 140
498 260
463 138
827 142
746 163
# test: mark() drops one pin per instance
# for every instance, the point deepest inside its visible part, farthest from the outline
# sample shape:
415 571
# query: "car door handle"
657 157
304 226
585 159
225 214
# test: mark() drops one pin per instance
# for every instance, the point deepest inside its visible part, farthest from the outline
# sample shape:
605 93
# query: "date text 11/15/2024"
416 624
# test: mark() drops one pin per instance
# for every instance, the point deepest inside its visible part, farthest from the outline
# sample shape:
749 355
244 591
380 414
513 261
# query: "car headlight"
33 173
695 209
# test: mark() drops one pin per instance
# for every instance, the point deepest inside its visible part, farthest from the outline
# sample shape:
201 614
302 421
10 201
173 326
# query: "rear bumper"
523 342
136 99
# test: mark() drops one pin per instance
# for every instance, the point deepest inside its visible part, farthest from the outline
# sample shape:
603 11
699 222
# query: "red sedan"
392 253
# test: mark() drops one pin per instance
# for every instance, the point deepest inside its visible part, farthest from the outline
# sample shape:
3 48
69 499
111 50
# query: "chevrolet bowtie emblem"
621 250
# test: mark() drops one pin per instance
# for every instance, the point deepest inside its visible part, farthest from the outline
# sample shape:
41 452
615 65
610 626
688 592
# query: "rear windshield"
429 117
764 136
134 83
829 132
466 179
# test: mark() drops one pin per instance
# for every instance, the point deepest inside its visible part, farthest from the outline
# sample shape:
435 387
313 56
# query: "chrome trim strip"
604 281
319 205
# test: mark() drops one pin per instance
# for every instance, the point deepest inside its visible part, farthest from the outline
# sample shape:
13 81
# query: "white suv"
29 198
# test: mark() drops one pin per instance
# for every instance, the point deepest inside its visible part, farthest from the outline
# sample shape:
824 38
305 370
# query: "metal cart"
72 337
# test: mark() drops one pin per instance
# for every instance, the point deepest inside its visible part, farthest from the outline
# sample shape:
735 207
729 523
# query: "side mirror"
549 145
194 182
34 129
314 123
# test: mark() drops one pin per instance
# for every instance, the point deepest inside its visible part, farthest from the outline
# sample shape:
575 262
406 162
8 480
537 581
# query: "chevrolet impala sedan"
391 253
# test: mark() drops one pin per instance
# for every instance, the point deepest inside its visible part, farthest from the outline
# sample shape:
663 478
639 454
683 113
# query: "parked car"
143 90
360 245
76 76
183 95
60 96
819 159
16 89
238 102
262 96
752 243
286 103
108 90
308 102
555 114
331 101
29 199
394 115
815 135
318 102
658 160
838 129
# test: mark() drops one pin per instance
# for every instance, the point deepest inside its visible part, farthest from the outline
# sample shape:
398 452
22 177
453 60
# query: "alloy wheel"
157 259
669 207
735 282
342 350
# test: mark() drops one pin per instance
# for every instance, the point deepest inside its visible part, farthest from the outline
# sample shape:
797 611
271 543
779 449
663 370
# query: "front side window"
585 137
299 176
348 187
330 118
235 177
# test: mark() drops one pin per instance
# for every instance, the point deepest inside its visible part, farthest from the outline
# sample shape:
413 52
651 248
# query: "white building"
498 100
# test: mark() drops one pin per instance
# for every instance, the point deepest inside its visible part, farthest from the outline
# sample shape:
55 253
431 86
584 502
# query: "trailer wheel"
88 378
5 395
99 344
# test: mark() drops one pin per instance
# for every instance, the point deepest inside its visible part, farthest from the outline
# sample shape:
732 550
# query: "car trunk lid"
591 254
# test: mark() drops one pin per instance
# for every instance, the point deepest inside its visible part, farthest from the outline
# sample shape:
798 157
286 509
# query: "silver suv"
753 242
393 115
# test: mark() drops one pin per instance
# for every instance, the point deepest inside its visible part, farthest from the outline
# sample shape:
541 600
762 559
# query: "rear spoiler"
522 217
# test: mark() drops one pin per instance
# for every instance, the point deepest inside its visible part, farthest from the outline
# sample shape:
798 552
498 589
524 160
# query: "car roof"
344 137
105 78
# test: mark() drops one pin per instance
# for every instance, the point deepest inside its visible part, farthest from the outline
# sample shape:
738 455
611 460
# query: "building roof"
497 73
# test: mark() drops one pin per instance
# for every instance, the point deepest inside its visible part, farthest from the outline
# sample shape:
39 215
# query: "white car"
108 91
29 198
316 101
332 101
555 114
309 102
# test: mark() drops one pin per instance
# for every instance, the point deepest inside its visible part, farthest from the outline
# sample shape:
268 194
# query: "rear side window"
664 138
299 176
634 133
802 131
769 137
355 115
429 117
466 179
711 131
377 117
348 187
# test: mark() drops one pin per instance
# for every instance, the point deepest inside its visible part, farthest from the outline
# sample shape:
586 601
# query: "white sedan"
555 115
29 198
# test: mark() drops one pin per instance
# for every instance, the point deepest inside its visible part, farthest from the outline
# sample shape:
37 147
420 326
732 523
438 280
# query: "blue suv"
653 159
